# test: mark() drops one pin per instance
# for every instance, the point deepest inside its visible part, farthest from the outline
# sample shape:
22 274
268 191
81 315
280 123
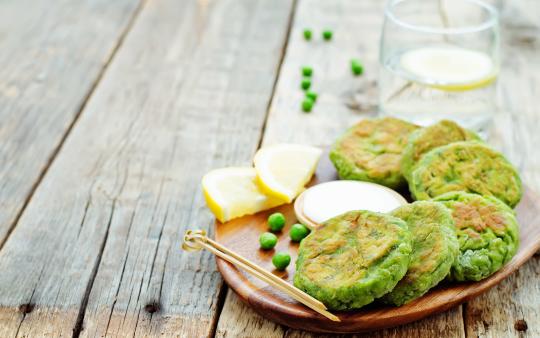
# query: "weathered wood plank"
187 92
511 308
239 320
343 99
449 321
53 52
245 323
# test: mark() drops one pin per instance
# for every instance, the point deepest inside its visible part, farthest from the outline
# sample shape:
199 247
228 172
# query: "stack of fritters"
466 232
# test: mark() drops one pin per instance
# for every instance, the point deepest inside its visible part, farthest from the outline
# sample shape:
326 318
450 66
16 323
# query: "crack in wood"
29 306
464 318
88 202
78 327
222 295
136 323
157 248
278 70
118 288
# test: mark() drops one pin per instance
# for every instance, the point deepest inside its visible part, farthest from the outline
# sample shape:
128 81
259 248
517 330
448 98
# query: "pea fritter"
423 140
468 166
353 258
371 151
487 231
434 249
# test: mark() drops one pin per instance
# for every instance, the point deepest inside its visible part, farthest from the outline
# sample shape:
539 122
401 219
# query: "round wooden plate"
241 235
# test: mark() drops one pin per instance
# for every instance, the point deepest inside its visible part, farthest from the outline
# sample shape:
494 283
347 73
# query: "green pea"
276 221
267 240
312 95
298 232
307 71
281 260
305 84
307 34
356 67
327 35
307 105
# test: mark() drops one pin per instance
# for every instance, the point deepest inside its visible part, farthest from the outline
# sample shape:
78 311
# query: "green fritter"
435 247
487 231
371 151
353 258
465 166
423 140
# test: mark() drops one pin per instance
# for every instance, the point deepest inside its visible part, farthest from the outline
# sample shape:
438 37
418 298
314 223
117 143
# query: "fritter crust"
488 234
466 166
425 139
435 247
353 259
371 151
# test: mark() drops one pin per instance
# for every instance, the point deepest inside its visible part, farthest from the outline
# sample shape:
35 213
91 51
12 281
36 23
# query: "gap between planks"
464 318
82 310
223 291
278 71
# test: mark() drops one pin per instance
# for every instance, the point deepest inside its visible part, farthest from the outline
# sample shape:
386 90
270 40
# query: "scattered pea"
298 232
356 67
327 35
276 221
281 260
307 71
307 105
312 95
307 34
305 84
267 240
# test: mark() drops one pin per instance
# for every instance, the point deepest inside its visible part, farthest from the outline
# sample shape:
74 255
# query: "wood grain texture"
503 311
97 248
249 324
53 52
241 235
514 133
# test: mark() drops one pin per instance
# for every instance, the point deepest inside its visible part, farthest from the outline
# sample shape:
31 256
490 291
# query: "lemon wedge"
283 170
449 68
233 192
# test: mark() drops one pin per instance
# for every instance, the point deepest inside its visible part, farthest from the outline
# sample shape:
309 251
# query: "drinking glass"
439 60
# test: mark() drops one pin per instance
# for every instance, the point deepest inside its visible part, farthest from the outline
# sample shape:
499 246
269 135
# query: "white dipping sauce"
326 200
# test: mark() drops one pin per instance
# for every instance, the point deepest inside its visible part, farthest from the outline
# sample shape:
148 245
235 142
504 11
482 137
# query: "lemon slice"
233 192
283 170
449 68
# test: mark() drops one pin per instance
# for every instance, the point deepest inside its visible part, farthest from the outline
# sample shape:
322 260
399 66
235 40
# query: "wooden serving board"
242 234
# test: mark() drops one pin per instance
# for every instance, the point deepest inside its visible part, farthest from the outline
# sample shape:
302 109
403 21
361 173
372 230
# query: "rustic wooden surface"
110 112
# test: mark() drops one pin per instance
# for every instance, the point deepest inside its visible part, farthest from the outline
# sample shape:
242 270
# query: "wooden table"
110 113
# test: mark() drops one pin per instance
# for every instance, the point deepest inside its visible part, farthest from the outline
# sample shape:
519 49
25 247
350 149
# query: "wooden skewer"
267 274
254 266
205 240
197 240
